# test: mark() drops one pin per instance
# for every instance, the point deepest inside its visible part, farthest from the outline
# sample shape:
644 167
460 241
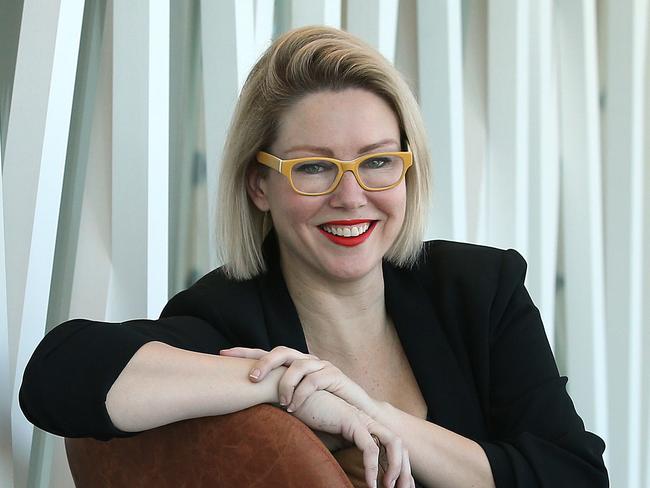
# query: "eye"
377 162
313 168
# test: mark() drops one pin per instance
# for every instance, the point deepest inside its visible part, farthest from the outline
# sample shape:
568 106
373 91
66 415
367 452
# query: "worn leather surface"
258 447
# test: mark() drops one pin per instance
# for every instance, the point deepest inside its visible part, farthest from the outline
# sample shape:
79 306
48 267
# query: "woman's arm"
439 457
69 375
163 384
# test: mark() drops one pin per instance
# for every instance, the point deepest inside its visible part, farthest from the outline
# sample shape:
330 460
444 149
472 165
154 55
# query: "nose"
348 193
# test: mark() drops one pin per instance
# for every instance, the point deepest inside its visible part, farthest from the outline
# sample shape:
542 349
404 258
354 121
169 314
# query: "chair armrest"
260 446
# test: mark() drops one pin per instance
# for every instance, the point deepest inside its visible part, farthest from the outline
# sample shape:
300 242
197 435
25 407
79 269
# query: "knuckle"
308 382
388 437
264 363
290 381
301 364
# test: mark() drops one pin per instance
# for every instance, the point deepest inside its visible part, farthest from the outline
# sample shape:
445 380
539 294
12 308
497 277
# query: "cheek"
290 209
393 202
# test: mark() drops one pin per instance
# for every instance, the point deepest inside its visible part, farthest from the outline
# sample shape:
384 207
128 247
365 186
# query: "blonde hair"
300 62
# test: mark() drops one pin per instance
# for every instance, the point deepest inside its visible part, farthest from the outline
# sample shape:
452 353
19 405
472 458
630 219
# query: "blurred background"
113 116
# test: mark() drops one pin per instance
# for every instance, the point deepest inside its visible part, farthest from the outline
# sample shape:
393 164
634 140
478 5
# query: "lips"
348 232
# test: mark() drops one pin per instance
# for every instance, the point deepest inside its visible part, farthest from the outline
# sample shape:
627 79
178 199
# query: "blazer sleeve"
537 438
67 379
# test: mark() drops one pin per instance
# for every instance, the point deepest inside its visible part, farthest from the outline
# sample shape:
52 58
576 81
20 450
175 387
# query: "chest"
384 372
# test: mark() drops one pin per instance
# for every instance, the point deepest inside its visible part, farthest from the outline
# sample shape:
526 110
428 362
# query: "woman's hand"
305 375
325 412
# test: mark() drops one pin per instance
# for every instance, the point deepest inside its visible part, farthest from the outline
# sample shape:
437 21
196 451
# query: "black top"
471 333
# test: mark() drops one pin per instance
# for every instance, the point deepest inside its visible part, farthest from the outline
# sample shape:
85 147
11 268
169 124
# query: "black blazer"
472 335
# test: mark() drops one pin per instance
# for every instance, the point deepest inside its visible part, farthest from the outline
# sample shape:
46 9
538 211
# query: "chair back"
261 446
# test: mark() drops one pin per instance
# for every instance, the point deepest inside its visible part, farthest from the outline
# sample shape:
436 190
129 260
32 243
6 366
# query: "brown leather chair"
262 446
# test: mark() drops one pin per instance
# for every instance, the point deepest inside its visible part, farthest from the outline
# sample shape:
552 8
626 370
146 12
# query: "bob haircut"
300 62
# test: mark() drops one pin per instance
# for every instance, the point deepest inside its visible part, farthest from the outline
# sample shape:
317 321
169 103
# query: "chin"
349 270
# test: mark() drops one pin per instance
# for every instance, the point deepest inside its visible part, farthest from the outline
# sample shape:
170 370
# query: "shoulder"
470 286
218 299
450 263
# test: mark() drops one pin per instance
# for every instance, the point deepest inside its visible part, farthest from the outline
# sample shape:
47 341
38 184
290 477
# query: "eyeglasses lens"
317 176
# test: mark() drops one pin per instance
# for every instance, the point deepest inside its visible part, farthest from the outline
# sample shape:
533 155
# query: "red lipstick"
349 241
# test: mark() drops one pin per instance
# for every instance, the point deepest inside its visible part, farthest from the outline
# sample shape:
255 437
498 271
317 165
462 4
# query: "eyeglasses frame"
284 166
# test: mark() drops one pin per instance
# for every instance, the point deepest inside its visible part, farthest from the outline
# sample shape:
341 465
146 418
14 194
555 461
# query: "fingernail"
291 408
283 401
255 373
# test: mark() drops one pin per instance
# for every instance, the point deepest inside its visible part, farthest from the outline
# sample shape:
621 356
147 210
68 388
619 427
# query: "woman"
331 305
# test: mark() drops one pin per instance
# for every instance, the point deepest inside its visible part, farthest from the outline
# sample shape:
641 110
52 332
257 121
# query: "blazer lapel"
282 321
451 399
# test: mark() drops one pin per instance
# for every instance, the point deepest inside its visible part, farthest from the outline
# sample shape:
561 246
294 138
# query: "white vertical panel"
441 98
264 13
374 21
186 100
544 165
158 161
645 321
35 159
233 34
140 158
623 172
507 171
245 23
582 213
92 261
6 465
645 410
220 84
316 12
475 104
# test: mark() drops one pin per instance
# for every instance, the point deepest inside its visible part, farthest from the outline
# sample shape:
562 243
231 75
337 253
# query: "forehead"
340 120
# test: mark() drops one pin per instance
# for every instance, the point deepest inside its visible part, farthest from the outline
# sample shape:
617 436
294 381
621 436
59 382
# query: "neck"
338 316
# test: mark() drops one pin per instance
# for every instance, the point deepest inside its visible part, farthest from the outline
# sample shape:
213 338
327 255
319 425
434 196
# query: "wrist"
270 384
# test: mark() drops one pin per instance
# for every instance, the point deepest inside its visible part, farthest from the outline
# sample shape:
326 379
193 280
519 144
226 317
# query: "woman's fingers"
397 466
321 375
405 478
266 361
243 352
294 376
366 444
394 452
397 469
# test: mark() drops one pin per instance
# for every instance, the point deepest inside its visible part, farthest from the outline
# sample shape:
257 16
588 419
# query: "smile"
348 232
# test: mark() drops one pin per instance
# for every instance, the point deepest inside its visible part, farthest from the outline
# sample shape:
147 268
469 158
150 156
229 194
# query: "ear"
256 187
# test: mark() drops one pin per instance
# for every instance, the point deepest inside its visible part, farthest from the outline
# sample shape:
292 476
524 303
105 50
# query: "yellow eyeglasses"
314 176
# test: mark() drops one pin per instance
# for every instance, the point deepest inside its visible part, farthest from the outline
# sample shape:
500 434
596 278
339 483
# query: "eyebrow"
326 151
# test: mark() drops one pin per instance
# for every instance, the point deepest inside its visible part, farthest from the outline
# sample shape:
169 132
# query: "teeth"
347 230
